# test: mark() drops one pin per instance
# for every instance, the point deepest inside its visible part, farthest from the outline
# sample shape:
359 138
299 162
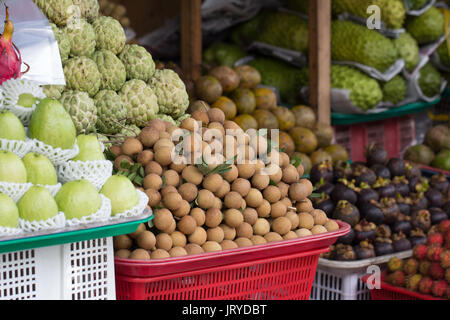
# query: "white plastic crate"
341 280
76 271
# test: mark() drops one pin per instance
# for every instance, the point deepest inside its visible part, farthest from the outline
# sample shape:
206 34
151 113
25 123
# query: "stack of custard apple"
110 85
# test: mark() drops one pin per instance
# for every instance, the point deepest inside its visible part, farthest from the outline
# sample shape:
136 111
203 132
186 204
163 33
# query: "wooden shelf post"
320 58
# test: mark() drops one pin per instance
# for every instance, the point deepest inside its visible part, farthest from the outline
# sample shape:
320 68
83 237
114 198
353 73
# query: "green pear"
52 124
9 216
37 204
121 192
12 168
27 100
11 127
40 169
78 198
90 148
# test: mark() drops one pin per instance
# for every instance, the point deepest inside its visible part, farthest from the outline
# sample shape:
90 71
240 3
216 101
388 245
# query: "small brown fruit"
211 246
250 215
188 191
213 217
122 253
304 205
244 230
216 115
193 248
213 182
233 218
122 241
131 147
177 252
233 200
278 209
205 199
254 198
187 225
320 217
145 157
272 194
146 240
172 200
228 244
199 215
153 167
331 225
272 237
183 210
242 186
162 219
305 220
178 239
199 236
264 209
140 254
192 174
228 232
232 174
215 234
243 242
164 241
290 235
317 229
171 178
303 232
261 227
281 225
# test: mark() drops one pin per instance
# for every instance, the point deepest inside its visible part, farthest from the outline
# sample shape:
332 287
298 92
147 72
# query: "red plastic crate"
394 135
278 270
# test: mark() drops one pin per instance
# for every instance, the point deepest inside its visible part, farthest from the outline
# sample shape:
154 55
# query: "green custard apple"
89 9
37 204
40 169
111 68
111 112
78 198
81 108
82 37
63 42
52 124
9 216
82 74
12 168
57 11
90 148
11 127
109 34
138 62
53 91
121 192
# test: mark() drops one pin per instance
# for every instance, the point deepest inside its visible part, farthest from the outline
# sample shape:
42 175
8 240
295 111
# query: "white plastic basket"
341 280
76 271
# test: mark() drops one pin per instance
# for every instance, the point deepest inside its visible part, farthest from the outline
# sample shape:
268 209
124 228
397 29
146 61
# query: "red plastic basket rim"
447 173
146 268
388 287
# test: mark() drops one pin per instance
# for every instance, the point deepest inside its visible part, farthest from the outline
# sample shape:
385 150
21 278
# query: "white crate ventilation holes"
76 271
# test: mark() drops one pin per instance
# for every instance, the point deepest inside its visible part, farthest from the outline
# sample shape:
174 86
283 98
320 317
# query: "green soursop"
170 90
82 74
82 38
430 80
140 101
111 113
110 34
427 27
394 90
57 11
111 69
408 49
82 110
365 92
247 31
53 91
138 62
63 42
444 57
223 54
89 9
354 42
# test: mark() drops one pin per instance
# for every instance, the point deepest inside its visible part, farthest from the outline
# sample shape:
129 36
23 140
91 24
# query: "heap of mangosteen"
390 205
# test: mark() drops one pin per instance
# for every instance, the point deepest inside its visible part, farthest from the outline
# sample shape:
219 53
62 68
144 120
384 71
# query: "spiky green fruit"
111 69
82 110
109 34
430 80
82 75
82 38
394 90
53 91
365 92
111 113
408 50
427 27
57 11
89 9
140 101
63 42
138 62
354 42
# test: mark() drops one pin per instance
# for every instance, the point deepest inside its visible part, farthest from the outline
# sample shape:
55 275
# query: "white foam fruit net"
9 231
18 147
57 156
14 190
102 214
136 210
96 172
55 222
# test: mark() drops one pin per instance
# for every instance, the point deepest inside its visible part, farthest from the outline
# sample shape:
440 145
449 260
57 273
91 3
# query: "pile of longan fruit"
196 212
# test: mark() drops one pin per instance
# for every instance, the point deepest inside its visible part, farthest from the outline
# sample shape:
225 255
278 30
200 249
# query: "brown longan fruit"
244 230
164 241
145 157
331 225
264 209
122 241
163 143
231 125
304 205
276 173
178 239
298 191
166 190
171 178
118 161
177 252
261 227
165 135
231 174
250 215
228 232
116 150
300 170
140 254
215 234
160 254
131 147
171 228
217 203
189 124
217 128
187 225
172 200
141 228
308 185
290 235
183 210
290 174
317 229
148 136
201 116
278 209
272 237
162 219
293 217
192 174
259 144
233 217
216 115
233 200
246 170
122 253
284 159
228 244
193 248
146 240
284 189
153 167
154 197
272 194
157 124
199 236
281 225
152 181
243 242
242 186
260 181
163 156
210 246
303 232
320 217
199 215
256 239
223 189
212 182
254 198
205 199
188 191
305 220
288 203
178 167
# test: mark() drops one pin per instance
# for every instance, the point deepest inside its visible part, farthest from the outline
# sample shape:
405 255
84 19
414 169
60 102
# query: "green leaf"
138 180
296 160
125 164
272 183
316 195
142 171
132 176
